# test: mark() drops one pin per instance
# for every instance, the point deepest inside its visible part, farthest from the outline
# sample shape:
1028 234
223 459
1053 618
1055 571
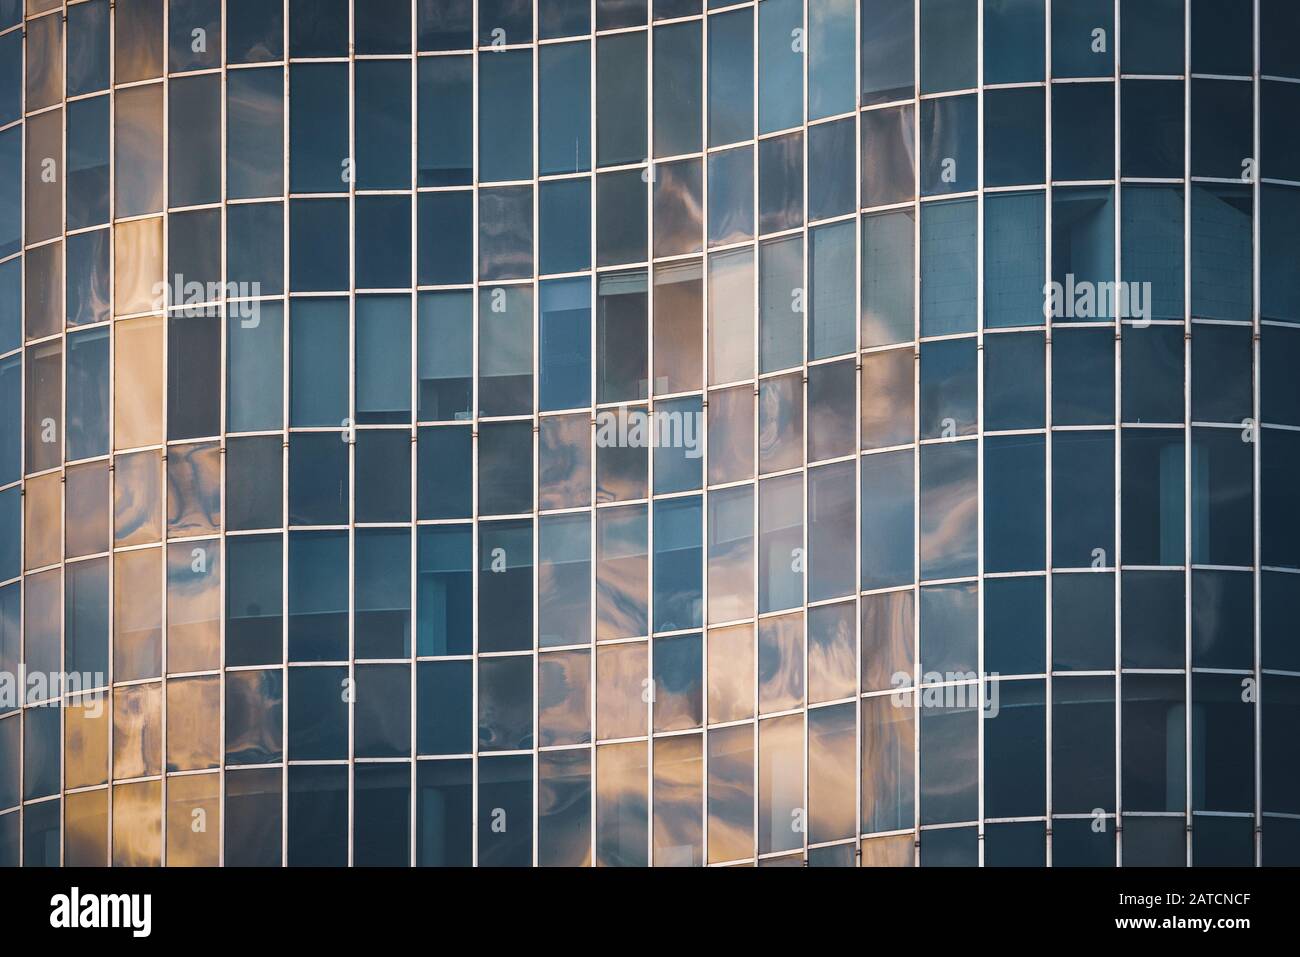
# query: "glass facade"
826 432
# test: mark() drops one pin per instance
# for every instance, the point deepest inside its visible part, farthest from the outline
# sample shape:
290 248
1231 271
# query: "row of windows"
817 410
1082 37
322 161
304 594
790 281
910 544
1152 364
329 487
381 838
728 780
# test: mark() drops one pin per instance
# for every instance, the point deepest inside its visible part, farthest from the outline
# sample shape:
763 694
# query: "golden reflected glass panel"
782 820
43 287
622 824
137 731
137 824
193 723
780 663
85 829
254 716
193 606
43 514
622 691
138 150
679 801
87 510
85 741
887 400
42 635
193 490
43 416
138 360
564 808
731 434
731 673
888 762
563 698
832 652
137 267
731 316
731 793
678 312
622 572
564 462
138 40
44 191
888 640
785 860
44 58
137 498
137 614
832 795
895 851
194 820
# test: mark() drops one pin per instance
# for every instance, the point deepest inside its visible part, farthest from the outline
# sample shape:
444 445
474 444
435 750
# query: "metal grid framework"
617 808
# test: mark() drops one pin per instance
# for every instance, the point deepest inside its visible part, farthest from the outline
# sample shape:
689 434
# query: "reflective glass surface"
842 432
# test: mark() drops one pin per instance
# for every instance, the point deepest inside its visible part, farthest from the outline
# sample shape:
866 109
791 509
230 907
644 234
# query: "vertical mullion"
981 528
593 515
413 501
1188 453
285 423
166 428
757 373
651 393
916 433
475 526
1187 430
1257 573
350 435
535 56
1049 321
63 443
1117 227
706 381
858 220
110 692
805 238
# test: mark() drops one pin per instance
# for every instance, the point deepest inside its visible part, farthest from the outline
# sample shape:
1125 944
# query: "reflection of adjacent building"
496 433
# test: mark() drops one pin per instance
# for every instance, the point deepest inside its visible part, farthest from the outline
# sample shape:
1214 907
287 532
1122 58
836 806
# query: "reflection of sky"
731 793
621 673
949 510
887 742
621 804
137 144
731 673
563 698
780 663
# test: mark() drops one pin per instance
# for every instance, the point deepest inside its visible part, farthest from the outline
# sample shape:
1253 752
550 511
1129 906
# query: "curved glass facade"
841 432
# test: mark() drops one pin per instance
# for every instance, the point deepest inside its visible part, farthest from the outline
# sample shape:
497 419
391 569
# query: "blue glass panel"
1013 41
948 267
949 145
564 108
678 566
445 584
564 339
